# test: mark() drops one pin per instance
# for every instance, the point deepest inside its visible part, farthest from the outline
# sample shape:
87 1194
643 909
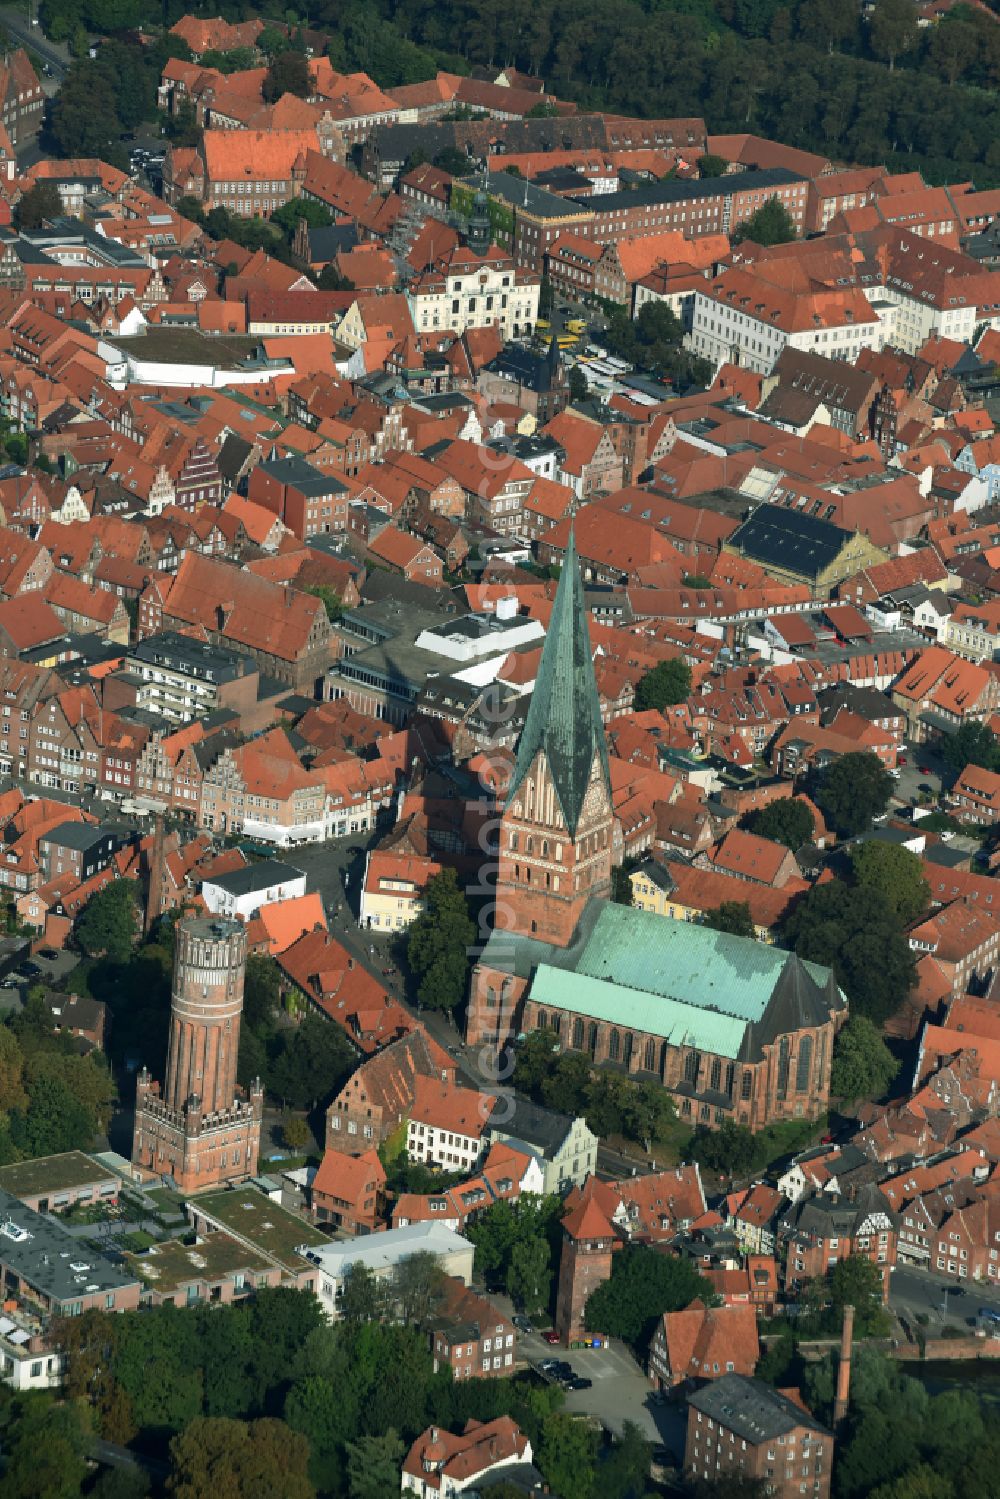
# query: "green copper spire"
564 715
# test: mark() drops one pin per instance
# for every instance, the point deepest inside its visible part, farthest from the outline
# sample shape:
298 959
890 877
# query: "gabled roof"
564 716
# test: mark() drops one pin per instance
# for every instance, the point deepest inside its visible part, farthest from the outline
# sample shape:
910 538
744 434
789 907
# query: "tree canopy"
771 224
788 821
863 1066
644 1284
851 791
440 942
667 683
733 916
109 922
895 874
972 744
855 932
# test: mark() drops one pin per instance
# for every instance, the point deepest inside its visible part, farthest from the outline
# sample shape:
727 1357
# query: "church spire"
564 716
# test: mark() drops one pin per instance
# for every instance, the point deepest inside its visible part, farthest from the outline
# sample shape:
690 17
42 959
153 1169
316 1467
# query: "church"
734 1029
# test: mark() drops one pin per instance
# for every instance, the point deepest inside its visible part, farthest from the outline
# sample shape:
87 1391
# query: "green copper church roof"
687 983
564 715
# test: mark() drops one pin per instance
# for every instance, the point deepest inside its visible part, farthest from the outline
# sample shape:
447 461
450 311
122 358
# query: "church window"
513 842
691 1064
592 1038
783 1067
614 1046
746 1084
804 1065
730 1073
716 1074
627 1049
578 1034
543 1020
649 1058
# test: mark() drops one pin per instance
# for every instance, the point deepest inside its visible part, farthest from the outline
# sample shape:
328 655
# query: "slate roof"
564 717
776 537
751 1408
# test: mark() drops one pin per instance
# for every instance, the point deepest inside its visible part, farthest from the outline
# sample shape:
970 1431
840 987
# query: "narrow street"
943 1299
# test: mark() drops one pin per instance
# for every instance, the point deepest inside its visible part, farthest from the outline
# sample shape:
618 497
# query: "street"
912 1290
913 782
20 30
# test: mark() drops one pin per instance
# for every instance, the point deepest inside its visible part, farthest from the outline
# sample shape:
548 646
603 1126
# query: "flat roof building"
43 1267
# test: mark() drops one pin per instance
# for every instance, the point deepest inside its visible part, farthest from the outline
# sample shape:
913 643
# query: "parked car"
47 952
551 1336
32 969
579 1382
522 1324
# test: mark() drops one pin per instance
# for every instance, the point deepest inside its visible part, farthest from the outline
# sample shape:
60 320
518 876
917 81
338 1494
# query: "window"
803 1068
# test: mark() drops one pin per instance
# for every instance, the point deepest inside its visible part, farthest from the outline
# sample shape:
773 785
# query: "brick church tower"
556 829
589 1241
201 1129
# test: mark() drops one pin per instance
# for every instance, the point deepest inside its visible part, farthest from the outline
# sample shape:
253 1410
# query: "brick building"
703 1343
200 1129
741 1425
472 1338
346 1189
821 1230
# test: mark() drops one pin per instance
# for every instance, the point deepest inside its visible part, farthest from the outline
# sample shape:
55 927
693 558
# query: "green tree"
332 601
857 1282
567 1456
667 683
771 224
54 1121
733 916
579 390
261 991
313 1065
730 1149
854 932
439 944
529 1274
373 1465
644 1284
295 1132
863 1066
853 790
918 1482
38 204
44 1450
712 166
972 744
788 821
419 1286
239 1460
892 29
108 924
895 874
12 1094
364 1297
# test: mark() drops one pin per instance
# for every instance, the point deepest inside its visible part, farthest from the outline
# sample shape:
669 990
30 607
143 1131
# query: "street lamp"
944 1313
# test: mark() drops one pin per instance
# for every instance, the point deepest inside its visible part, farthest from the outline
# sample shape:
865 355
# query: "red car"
925 770
901 760
550 1336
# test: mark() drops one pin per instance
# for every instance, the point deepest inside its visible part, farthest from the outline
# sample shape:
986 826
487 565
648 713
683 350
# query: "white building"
27 1360
442 1463
241 894
382 1255
466 290
447 1124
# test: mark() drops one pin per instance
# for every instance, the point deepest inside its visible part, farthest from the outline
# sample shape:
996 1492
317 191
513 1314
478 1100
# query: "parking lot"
619 1390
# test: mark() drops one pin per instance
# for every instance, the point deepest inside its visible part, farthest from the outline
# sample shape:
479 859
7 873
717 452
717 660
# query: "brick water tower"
201 1129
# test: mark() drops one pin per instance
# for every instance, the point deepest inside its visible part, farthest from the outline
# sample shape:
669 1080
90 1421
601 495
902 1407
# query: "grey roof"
564 717
302 476
233 455
751 1408
49 1259
827 1214
789 539
672 190
76 835
255 877
542 1129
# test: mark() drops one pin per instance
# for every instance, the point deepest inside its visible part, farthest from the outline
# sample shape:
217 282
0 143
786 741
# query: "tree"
12 1094
579 390
41 202
313 1065
788 821
109 921
892 29
857 1282
419 1286
295 1132
373 1465
644 1284
734 917
712 166
261 991
364 1297
55 1120
332 601
567 1456
863 1066
439 944
895 874
772 224
696 580
667 683
972 744
730 1149
215 1458
529 1274
854 932
853 790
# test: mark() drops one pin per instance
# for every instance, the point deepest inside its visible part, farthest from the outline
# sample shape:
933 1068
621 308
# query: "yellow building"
392 896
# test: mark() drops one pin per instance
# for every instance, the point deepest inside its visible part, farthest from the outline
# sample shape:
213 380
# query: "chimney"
844 1371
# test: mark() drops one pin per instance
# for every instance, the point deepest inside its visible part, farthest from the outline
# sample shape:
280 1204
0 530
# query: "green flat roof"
53 1173
166 1266
266 1225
